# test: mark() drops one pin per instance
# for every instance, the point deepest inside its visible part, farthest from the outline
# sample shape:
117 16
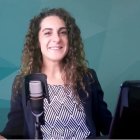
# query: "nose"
56 37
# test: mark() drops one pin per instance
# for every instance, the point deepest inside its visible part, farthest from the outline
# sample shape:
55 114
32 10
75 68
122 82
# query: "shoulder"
18 80
17 85
91 80
90 75
92 72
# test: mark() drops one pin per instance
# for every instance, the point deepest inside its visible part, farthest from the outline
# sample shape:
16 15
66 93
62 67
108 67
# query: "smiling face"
53 39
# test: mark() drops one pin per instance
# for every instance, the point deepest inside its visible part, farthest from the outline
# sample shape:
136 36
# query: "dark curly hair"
75 64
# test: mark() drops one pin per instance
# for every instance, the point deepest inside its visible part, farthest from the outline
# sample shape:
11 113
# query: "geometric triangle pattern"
5 71
6 68
64 118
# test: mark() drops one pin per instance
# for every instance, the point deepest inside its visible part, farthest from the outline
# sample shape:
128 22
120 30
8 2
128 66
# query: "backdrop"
111 33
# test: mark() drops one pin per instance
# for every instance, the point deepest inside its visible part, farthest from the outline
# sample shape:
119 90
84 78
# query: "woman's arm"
15 124
103 114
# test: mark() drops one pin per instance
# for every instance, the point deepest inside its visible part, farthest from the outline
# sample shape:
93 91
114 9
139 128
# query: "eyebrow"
52 29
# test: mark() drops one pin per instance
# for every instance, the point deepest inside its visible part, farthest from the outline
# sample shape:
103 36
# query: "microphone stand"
37 125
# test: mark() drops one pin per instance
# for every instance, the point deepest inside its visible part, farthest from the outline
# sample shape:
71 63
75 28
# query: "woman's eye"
63 33
47 33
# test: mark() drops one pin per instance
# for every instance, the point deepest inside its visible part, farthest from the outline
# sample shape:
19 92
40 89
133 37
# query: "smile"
55 48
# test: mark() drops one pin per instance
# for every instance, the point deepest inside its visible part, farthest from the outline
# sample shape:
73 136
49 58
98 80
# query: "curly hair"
75 64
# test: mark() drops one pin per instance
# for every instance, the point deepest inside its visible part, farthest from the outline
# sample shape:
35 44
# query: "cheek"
66 43
42 46
66 50
42 40
43 43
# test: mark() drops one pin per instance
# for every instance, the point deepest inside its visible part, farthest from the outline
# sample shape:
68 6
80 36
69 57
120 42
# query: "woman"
77 110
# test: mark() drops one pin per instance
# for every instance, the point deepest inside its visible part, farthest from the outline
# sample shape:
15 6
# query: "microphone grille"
35 88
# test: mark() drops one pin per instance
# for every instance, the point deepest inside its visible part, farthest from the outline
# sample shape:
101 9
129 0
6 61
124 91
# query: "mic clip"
36 77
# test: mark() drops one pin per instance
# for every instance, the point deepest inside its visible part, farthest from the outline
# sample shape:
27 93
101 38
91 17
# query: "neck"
54 73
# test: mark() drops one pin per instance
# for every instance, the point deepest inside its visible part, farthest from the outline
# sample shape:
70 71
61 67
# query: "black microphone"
36 90
36 101
36 87
36 97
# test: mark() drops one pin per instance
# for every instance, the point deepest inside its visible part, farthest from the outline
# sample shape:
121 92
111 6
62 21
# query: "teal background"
111 34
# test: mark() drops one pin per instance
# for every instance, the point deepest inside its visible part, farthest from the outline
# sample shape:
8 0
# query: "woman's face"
53 39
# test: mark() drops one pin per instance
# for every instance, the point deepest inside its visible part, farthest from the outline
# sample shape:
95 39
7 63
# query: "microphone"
36 87
36 101
36 97
36 90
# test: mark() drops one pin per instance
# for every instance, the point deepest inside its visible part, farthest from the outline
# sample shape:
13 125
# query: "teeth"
55 48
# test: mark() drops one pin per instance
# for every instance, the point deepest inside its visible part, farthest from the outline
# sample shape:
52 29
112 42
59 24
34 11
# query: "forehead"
52 22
